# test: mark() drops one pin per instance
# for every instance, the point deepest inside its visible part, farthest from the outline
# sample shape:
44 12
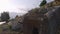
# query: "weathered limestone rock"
48 24
52 4
35 22
16 24
54 20
43 23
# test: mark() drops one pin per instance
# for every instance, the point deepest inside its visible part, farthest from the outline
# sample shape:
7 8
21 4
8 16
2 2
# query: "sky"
19 6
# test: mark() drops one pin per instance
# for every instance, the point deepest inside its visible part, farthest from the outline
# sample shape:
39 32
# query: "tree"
5 16
43 3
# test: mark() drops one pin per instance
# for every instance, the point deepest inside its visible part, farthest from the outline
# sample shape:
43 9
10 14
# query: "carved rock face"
35 19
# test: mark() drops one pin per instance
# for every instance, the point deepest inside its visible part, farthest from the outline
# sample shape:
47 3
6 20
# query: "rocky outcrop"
16 24
44 20
54 19
35 19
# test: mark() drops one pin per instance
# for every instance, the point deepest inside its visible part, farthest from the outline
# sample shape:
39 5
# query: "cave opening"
35 31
